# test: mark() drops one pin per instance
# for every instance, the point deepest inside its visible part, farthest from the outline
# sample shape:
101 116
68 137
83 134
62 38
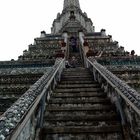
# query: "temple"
71 84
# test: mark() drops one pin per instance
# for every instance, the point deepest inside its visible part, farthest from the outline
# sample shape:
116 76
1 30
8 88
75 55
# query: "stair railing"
126 99
25 116
82 53
67 50
81 48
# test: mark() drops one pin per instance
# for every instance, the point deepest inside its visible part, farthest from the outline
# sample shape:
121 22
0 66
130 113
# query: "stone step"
88 136
18 81
80 94
81 118
77 90
67 73
82 113
11 93
78 82
14 85
5 103
79 73
76 78
75 70
81 108
13 90
4 107
94 100
77 85
82 129
80 69
76 105
81 123
8 100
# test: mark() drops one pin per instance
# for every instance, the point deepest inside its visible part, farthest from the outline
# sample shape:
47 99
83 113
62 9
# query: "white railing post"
81 38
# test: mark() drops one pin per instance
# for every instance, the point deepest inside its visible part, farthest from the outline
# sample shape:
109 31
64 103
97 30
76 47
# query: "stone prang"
71 84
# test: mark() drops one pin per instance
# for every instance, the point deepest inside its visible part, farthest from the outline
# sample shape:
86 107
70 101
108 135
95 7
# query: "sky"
22 20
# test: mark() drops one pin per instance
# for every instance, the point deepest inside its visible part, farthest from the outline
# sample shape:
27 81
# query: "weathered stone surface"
77 95
72 114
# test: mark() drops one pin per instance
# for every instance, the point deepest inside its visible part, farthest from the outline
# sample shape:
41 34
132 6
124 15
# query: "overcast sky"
22 20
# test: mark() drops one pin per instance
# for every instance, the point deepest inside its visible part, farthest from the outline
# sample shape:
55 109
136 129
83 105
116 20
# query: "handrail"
19 113
82 53
67 50
129 95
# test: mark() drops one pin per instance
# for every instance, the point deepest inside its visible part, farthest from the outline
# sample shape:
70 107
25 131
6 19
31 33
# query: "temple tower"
74 83
68 3
72 19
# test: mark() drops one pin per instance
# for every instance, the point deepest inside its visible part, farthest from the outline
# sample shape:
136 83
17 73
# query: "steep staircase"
80 110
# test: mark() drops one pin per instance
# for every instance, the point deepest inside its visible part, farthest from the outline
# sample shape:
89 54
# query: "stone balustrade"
20 114
126 99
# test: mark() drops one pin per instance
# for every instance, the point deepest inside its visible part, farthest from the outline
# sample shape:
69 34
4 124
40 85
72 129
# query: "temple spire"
68 3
